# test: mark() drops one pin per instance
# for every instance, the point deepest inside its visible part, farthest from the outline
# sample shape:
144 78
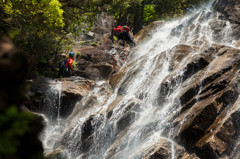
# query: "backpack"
63 69
62 64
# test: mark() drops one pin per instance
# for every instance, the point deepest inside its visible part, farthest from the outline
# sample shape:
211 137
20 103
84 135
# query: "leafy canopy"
37 16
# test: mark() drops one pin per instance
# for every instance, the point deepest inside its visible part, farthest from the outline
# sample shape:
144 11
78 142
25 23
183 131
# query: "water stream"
142 115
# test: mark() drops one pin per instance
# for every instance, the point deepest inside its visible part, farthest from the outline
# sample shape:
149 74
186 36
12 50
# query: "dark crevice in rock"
193 68
186 97
68 103
168 87
163 91
206 152
213 89
130 107
142 95
109 114
215 76
86 144
236 120
228 98
87 129
196 131
189 105
190 136
216 88
125 121
162 154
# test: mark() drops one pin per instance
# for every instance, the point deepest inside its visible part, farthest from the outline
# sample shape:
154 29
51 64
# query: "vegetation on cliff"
40 27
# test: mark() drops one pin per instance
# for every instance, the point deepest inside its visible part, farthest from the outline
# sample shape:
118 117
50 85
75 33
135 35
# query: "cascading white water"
52 105
124 134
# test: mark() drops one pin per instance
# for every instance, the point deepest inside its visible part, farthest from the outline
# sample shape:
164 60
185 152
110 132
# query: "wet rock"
179 52
84 136
116 78
163 150
166 149
204 127
125 121
96 64
237 43
71 93
59 153
147 31
174 79
87 131
208 130
231 12
57 98
229 8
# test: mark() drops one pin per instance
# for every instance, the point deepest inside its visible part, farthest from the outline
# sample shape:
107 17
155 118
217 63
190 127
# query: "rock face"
163 149
57 98
199 86
103 58
95 64
230 10
103 27
100 60
73 91
146 32
210 104
59 153
207 124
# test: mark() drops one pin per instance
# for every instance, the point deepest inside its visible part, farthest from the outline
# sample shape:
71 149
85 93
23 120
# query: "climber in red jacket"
69 61
123 33
66 66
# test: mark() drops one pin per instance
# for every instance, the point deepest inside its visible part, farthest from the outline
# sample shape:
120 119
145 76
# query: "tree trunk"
142 15
136 19
123 20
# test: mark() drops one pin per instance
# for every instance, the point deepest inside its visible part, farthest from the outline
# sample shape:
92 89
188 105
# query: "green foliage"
32 15
74 64
138 13
115 38
79 53
93 44
13 124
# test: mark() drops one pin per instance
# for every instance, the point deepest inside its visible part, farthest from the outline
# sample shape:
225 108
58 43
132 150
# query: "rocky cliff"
177 96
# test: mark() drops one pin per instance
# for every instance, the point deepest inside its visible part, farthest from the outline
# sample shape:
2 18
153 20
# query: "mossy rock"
93 44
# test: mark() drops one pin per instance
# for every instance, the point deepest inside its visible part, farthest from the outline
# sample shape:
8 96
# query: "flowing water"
52 104
142 106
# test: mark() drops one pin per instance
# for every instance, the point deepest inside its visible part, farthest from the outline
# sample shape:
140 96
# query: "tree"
40 26
31 16
139 13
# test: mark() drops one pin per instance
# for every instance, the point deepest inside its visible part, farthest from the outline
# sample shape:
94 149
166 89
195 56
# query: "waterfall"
126 122
52 105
